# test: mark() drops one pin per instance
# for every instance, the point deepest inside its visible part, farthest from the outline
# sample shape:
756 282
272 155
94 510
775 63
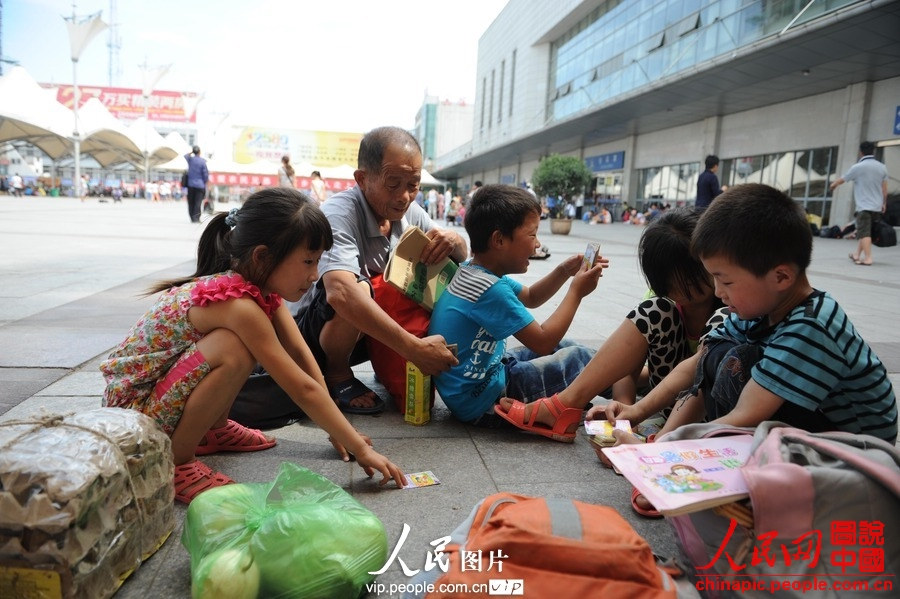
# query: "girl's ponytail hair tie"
231 219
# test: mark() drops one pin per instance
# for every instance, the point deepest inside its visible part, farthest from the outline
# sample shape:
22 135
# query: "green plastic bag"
298 536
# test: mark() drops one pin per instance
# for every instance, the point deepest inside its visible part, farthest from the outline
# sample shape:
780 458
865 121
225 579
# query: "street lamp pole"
76 134
80 34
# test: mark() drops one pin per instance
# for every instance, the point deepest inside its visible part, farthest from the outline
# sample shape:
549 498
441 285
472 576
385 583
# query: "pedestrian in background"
318 189
286 172
870 194
16 185
708 184
198 176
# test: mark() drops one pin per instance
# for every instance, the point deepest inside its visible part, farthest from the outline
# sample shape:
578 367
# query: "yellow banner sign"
319 148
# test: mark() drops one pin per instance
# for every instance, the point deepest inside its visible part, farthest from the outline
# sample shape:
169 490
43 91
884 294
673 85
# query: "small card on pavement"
421 479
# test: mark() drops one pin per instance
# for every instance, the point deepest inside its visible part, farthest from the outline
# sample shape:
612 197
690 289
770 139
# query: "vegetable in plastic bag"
226 574
307 536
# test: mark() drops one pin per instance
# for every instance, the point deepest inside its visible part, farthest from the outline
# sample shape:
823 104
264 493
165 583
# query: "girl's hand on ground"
342 451
371 461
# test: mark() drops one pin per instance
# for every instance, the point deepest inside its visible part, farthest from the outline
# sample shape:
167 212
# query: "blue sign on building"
897 121
508 179
606 162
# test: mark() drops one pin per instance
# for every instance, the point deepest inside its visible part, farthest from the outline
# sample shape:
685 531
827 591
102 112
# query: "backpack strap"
492 507
565 521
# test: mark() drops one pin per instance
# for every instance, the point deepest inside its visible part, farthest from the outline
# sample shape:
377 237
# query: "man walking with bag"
197 177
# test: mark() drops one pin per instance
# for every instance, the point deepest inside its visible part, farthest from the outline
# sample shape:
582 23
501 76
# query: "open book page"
423 284
687 475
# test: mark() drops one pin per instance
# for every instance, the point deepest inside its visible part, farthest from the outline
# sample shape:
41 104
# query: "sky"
326 65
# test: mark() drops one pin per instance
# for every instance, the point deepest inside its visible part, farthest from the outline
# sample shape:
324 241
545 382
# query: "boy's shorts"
725 368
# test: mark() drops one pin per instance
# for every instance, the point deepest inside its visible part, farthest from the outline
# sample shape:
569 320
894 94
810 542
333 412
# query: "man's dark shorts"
313 318
865 219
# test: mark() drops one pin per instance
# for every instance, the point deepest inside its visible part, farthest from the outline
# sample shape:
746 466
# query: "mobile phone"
590 253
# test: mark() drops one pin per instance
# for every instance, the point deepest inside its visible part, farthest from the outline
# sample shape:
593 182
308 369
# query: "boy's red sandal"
566 418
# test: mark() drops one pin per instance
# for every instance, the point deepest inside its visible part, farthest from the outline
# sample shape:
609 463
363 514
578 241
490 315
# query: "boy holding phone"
482 307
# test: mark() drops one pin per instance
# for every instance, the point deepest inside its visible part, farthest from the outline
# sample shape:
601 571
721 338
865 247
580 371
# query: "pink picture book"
688 475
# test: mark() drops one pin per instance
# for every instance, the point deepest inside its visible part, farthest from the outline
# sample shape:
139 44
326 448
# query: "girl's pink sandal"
233 437
565 418
193 478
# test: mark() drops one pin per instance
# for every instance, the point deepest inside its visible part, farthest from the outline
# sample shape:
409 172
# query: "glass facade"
675 184
624 45
802 174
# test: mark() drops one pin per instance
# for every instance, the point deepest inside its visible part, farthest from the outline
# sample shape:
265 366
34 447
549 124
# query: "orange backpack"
549 548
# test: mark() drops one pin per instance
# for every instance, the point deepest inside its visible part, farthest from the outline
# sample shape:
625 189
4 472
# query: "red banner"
302 183
335 185
240 179
128 104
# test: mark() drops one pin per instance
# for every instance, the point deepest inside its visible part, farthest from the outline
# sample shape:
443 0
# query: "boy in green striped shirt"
787 352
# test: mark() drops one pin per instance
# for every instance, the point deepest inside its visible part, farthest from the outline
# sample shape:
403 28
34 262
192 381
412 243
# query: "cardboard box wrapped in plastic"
423 284
83 499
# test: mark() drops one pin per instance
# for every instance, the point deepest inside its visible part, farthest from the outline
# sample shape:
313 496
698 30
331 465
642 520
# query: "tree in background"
561 177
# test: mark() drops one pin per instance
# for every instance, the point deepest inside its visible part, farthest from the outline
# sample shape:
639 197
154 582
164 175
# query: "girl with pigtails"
185 360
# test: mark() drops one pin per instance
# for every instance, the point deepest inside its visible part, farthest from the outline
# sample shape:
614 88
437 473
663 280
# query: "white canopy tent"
428 179
28 114
344 171
176 142
146 136
31 114
106 139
